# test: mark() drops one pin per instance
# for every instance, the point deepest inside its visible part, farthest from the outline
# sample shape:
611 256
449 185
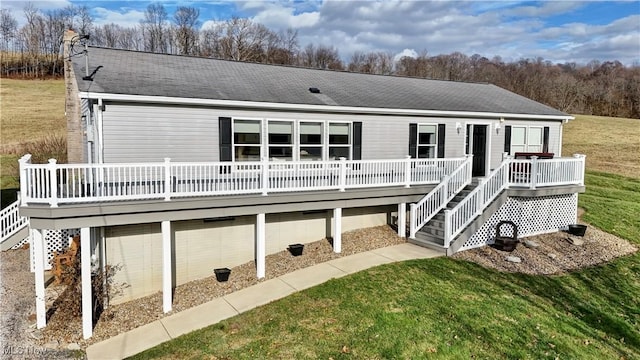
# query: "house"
179 165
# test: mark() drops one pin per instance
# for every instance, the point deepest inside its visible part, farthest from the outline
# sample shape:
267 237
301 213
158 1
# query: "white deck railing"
55 184
512 173
425 209
11 221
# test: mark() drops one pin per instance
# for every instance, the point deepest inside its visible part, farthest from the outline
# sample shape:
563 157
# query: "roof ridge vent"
314 90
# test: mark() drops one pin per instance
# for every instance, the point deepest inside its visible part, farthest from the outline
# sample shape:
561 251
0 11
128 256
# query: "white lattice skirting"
55 240
532 215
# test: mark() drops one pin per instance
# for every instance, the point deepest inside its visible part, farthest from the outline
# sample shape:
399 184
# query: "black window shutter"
441 130
413 140
507 139
545 139
225 138
357 140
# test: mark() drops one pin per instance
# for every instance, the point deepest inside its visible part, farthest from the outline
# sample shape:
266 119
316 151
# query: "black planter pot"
296 249
222 274
577 230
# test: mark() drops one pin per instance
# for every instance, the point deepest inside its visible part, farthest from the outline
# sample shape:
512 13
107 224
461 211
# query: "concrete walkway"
212 312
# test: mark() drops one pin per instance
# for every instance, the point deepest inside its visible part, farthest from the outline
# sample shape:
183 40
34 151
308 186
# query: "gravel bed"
556 254
127 316
19 337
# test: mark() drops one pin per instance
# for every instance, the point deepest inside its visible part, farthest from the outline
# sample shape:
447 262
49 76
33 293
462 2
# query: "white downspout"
100 147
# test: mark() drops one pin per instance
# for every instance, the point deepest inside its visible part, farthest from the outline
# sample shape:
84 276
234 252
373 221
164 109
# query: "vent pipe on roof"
314 90
86 57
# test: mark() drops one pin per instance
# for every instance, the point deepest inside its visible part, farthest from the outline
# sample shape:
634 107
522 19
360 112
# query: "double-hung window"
246 140
280 140
311 144
526 139
427 140
339 140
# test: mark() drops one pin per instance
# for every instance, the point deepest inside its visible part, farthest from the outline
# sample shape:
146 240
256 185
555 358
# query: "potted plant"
296 249
222 274
577 229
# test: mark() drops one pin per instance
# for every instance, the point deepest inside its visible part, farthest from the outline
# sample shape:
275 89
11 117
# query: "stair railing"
11 221
425 209
456 219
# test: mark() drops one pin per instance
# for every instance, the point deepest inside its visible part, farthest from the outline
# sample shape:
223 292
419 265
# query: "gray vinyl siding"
147 132
139 133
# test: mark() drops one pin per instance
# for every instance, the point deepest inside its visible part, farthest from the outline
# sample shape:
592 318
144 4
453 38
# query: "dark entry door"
479 149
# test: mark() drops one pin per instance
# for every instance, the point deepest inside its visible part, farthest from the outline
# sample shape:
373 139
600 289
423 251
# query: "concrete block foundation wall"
201 245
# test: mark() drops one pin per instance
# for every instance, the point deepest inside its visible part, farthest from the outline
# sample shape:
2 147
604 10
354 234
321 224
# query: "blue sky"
559 31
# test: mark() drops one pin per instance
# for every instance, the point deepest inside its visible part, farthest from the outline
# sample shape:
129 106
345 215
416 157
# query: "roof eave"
314 108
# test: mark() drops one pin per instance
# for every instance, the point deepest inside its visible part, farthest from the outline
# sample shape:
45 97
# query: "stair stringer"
477 223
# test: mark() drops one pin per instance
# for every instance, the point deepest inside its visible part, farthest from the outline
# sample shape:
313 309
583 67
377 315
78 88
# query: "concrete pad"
311 276
198 317
404 252
260 294
358 262
129 343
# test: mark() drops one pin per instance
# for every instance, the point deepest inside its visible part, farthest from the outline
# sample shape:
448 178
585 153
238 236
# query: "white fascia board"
313 108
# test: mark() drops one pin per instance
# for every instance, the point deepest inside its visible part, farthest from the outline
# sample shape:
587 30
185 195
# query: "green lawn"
446 308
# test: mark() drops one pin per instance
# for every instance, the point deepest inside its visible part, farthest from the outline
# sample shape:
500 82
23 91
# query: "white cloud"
125 17
406 52
17 7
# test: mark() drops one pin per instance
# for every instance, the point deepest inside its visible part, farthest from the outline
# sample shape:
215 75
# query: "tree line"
34 50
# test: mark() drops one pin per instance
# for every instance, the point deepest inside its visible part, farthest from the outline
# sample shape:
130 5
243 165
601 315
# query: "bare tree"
186 20
8 28
154 28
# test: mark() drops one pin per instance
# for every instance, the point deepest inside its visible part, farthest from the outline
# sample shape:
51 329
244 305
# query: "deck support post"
37 241
402 220
85 276
260 246
337 230
167 261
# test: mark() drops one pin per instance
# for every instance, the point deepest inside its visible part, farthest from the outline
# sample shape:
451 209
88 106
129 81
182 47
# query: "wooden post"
37 241
167 260
337 230
85 273
260 246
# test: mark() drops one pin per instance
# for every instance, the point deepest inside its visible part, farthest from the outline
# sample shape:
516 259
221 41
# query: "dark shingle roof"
141 73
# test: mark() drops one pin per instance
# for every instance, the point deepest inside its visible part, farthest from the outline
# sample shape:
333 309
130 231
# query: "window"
339 140
310 141
246 140
526 139
427 141
280 140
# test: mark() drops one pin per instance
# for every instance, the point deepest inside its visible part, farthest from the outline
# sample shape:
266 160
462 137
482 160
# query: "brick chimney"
75 127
